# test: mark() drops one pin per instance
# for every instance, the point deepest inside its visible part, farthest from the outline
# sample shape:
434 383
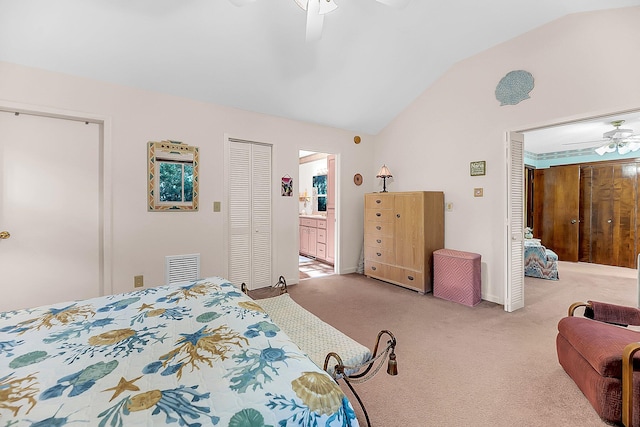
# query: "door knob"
609 221
573 221
4 235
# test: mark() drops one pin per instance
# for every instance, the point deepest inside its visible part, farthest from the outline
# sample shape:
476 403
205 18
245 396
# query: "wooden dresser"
401 231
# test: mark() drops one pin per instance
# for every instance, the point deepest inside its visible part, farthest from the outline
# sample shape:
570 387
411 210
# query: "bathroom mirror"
173 176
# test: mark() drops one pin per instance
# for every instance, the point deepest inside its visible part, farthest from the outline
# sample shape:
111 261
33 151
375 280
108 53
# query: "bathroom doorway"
317 214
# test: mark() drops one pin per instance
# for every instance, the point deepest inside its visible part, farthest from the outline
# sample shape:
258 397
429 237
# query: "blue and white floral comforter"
200 354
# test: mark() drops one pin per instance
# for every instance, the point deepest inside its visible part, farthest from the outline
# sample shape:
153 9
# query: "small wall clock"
357 179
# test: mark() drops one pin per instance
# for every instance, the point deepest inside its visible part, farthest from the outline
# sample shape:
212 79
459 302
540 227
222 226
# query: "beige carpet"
463 366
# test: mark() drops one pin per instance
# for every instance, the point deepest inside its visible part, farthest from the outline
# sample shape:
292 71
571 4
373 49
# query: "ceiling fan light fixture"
327 6
608 148
623 148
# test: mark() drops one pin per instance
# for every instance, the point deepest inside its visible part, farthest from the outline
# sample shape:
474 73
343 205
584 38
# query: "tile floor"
311 268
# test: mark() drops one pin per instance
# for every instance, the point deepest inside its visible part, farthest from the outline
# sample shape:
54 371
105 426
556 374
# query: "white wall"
583 65
142 239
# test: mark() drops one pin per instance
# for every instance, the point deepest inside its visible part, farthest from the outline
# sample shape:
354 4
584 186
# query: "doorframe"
336 184
105 261
567 121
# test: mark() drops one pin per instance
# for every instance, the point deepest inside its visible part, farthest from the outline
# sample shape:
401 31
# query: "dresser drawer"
322 223
378 241
386 256
376 201
378 215
379 228
321 235
408 278
308 222
375 269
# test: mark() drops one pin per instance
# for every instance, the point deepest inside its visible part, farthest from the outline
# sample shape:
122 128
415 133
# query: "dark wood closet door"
612 231
556 209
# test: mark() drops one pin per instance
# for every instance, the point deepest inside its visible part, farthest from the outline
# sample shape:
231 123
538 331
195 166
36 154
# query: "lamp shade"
384 172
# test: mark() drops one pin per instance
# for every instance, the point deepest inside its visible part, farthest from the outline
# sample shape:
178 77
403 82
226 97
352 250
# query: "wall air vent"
182 268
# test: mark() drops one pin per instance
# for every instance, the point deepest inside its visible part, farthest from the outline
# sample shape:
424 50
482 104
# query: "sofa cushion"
601 344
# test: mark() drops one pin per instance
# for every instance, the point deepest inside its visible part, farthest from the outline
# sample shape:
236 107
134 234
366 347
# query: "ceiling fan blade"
241 3
315 21
395 3
597 141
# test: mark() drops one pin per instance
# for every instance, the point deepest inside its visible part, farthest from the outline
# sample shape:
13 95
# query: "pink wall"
584 65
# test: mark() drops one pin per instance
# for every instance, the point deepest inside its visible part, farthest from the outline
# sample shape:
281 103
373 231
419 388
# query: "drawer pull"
378 227
378 253
378 201
378 214
379 241
397 215
410 277
374 268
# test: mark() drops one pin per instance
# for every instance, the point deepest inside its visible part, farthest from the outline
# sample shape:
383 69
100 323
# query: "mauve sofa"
597 351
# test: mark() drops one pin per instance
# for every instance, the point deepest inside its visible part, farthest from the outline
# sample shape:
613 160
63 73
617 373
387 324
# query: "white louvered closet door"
514 296
249 201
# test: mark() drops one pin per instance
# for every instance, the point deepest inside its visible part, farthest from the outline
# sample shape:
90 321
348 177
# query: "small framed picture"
478 168
287 186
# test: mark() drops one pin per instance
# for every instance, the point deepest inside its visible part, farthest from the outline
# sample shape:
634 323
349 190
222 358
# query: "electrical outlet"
138 281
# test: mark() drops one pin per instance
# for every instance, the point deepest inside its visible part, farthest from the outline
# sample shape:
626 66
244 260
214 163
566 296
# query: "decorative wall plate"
514 87
357 179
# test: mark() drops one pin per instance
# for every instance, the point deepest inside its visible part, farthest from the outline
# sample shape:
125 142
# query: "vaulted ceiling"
371 62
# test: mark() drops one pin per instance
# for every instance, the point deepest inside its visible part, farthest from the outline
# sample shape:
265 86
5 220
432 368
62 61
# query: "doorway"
317 214
558 143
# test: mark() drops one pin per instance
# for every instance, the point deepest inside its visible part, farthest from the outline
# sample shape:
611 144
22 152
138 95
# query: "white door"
514 297
49 204
249 187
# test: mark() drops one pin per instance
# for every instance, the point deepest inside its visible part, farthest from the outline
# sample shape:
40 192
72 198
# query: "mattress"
194 354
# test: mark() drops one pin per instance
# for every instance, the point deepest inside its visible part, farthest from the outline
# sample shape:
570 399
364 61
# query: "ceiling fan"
316 9
621 140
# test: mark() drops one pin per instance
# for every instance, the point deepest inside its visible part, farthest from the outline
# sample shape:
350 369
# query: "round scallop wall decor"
514 87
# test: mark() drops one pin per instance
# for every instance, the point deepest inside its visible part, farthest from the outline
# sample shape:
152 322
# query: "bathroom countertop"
314 216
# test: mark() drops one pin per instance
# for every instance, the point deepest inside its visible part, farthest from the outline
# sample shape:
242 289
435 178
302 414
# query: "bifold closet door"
249 199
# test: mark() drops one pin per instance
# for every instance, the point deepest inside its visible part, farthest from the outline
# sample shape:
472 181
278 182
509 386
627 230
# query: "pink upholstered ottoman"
457 276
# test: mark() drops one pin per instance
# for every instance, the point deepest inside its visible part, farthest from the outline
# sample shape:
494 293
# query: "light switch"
449 206
478 192
216 206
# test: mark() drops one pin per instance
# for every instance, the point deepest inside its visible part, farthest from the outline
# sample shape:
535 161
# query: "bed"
196 354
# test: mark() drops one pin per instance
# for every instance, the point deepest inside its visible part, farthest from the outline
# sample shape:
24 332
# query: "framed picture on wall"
287 186
478 168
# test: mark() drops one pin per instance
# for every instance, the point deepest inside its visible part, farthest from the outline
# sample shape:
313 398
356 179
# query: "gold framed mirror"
173 176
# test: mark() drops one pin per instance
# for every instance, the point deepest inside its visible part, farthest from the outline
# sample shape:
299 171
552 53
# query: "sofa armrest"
613 313
575 305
